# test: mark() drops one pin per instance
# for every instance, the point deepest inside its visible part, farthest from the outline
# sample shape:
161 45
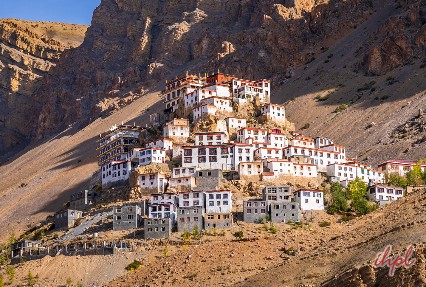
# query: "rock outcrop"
28 50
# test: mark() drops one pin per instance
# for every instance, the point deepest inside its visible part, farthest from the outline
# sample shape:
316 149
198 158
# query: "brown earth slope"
28 50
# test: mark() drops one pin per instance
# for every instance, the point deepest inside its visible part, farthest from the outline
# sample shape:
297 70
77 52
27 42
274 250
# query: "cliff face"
133 44
28 50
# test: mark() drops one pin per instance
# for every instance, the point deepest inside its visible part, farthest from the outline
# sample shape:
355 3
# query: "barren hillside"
28 50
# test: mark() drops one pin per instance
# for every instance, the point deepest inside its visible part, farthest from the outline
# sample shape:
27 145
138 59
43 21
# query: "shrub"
290 251
239 235
40 234
186 236
31 280
10 271
273 229
69 282
134 266
306 126
324 223
361 206
1 281
166 251
321 98
79 284
341 108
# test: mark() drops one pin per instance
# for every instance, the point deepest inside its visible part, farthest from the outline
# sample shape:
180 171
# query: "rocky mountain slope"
306 47
28 50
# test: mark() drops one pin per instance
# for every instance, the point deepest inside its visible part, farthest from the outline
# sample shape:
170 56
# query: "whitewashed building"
384 194
346 172
163 143
203 110
255 134
242 153
288 168
235 124
146 156
177 129
163 198
210 138
273 112
177 88
254 168
268 153
166 210
208 157
310 199
153 182
400 167
115 172
218 201
276 139
245 91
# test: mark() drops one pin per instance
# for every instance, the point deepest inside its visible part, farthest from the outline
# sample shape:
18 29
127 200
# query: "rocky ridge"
28 50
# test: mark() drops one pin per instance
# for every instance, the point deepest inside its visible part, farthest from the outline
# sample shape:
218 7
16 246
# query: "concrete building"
257 135
127 216
181 184
209 179
255 211
268 153
243 152
82 199
163 198
384 194
277 193
285 212
310 199
67 218
163 211
189 218
203 110
157 228
217 221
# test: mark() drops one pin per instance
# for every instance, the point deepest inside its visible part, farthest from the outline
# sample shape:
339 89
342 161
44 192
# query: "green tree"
10 273
338 200
361 206
415 176
396 180
357 189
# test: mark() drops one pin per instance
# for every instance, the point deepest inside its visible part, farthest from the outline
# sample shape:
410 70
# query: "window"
213 158
225 202
210 216
130 216
211 203
218 196
187 152
201 159
248 211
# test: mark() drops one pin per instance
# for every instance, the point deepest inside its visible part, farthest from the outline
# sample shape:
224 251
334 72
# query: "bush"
361 206
40 234
134 266
31 280
239 235
186 236
306 126
273 229
1 281
166 251
324 223
69 282
341 108
321 98
10 271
